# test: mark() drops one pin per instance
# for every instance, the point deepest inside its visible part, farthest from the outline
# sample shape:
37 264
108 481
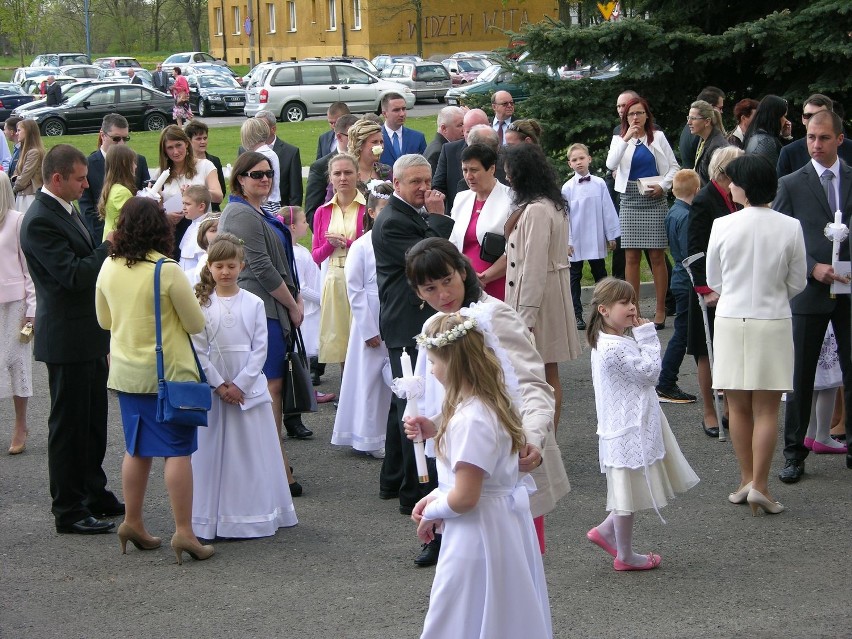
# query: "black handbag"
299 395
493 246
178 403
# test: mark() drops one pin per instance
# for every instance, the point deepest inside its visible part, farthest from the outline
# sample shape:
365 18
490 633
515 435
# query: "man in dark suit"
450 129
812 195
316 191
134 79
52 92
399 140
161 79
114 130
64 262
503 105
795 155
449 171
402 224
326 141
289 161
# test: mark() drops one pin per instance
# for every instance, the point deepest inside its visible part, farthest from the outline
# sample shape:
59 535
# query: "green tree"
19 20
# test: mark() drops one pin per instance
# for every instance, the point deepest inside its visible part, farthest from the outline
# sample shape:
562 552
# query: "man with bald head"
448 173
504 110
450 129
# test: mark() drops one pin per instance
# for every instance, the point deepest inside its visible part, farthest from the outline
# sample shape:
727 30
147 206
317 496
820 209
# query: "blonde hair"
226 246
254 133
577 146
120 160
608 291
706 111
720 160
358 133
32 140
198 193
686 182
471 364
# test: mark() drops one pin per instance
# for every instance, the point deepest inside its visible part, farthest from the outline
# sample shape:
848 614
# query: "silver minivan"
428 80
296 90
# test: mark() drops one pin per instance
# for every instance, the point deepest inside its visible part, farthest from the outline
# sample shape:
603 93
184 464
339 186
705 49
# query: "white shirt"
834 168
391 132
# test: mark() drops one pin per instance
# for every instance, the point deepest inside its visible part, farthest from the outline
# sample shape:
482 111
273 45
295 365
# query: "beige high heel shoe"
195 549
758 500
740 496
127 533
17 449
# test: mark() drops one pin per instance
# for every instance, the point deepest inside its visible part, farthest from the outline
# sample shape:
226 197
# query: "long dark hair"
435 258
767 118
532 176
142 227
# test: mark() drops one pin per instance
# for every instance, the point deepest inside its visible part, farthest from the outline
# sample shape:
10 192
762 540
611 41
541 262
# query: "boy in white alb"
196 203
594 223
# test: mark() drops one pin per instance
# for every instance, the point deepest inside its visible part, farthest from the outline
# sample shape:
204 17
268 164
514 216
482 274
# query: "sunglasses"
259 175
119 138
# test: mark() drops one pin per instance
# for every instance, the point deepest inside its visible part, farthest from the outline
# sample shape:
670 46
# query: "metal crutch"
716 403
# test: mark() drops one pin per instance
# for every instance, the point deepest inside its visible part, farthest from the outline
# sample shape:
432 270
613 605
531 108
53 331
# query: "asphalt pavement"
346 571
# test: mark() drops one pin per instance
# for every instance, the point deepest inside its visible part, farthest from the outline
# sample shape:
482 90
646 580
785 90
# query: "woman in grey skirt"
642 152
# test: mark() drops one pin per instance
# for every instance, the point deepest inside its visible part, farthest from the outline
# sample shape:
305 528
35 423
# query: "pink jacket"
15 281
321 248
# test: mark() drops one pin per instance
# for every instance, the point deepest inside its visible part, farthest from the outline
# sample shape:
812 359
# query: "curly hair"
532 176
142 227
226 246
358 133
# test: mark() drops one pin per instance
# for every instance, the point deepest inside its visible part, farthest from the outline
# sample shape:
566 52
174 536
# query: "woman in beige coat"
27 178
538 279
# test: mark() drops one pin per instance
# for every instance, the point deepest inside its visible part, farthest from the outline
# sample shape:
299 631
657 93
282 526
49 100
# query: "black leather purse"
299 395
493 246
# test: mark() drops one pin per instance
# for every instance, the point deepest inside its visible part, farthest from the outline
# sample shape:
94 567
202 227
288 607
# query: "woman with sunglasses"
269 274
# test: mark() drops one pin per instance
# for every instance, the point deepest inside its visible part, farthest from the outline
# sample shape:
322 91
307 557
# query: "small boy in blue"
686 184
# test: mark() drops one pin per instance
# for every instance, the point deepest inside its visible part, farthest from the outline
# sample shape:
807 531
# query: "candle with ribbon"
410 387
837 232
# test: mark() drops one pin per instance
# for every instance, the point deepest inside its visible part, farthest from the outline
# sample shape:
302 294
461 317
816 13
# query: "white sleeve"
202 343
247 377
363 321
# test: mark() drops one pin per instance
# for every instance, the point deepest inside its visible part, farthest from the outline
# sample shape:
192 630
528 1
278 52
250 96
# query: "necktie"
500 132
395 144
588 178
75 217
699 151
827 180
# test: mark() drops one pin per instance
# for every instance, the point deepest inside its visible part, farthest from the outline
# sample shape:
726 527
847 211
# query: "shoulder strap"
158 348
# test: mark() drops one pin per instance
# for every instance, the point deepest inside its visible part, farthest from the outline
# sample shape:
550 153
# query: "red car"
464 70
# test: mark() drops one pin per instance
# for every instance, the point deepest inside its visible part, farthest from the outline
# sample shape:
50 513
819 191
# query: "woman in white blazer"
483 209
756 264
637 152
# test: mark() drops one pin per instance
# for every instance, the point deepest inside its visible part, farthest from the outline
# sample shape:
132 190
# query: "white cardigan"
756 263
620 157
492 218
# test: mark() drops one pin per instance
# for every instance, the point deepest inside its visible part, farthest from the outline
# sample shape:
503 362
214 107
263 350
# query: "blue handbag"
178 403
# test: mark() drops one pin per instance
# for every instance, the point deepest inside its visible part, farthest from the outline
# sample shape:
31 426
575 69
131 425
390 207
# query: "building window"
219 21
332 15
356 15
291 13
236 21
270 17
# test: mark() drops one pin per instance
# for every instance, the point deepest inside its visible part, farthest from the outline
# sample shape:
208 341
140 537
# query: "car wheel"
293 112
155 122
203 109
441 99
53 127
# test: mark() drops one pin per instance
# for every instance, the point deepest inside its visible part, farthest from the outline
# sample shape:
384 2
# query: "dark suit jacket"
290 180
412 142
707 206
688 145
89 200
220 175
161 81
317 186
396 230
325 143
449 171
801 196
53 93
136 80
64 263
433 151
795 155
717 140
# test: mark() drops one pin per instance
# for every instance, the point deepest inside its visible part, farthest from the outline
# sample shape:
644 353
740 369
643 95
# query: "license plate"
433 84
237 102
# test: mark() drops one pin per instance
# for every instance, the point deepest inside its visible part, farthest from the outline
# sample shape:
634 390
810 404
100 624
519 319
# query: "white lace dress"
638 452
828 373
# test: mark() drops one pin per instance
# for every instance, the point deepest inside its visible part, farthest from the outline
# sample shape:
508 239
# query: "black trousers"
399 468
77 438
619 264
808 335
598 273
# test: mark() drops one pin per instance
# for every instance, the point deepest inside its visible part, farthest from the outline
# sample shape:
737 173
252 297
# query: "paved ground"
345 572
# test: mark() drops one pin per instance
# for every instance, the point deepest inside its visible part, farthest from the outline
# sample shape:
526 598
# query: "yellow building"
263 30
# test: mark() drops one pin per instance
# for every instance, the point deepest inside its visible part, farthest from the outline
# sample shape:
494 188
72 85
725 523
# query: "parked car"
207 68
120 75
34 85
428 80
215 93
59 59
464 70
81 71
494 78
485 55
68 91
358 61
118 62
296 90
144 108
381 61
189 57
22 73
11 97
256 72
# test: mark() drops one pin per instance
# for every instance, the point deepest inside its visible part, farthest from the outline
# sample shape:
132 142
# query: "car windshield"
81 96
468 66
173 59
490 73
217 82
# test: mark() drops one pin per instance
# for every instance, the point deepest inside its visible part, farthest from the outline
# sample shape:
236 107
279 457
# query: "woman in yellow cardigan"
125 306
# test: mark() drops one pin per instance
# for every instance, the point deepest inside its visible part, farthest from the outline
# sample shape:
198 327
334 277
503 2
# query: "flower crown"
448 336
371 186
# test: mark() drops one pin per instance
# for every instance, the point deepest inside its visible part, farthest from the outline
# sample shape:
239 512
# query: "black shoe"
710 432
429 553
794 469
405 510
315 379
295 489
388 494
113 510
581 324
298 431
86 526
660 325
674 395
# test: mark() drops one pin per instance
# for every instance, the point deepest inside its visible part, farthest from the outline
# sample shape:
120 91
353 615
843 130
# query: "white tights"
822 409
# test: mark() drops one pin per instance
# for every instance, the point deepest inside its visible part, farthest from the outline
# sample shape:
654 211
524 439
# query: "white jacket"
492 218
621 155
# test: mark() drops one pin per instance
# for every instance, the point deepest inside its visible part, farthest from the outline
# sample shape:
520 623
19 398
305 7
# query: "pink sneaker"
809 443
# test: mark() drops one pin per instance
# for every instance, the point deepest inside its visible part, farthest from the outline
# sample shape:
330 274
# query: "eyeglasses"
505 104
259 175
808 116
635 114
118 138
693 118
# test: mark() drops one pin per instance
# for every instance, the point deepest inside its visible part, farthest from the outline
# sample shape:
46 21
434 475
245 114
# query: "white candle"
838 217
405 362
411 410
161 180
